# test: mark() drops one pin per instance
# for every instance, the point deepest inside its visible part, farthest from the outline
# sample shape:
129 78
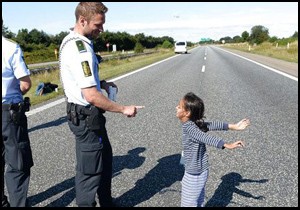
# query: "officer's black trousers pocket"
90 160
25 161
18 154
20 157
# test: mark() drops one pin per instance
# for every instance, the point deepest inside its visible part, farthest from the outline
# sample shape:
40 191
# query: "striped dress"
196 165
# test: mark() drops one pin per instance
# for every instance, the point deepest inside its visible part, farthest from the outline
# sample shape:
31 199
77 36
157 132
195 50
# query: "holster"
91 114
94 118
15 116
17 111
72 114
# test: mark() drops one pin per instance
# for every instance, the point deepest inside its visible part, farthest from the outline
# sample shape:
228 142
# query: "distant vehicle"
181 47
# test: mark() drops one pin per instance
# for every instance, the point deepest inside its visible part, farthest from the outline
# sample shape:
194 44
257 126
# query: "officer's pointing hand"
131 111
139 107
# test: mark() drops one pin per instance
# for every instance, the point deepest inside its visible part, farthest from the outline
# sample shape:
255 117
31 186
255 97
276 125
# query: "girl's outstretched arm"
234 145
240 125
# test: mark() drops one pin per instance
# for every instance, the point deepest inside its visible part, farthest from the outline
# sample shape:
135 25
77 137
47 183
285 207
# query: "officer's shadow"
163 175
223 195
131 160
63 201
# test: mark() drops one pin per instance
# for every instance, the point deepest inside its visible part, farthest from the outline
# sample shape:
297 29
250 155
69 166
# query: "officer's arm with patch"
84 66
88 80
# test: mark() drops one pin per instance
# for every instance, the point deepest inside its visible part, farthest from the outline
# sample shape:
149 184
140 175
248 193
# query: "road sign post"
107 45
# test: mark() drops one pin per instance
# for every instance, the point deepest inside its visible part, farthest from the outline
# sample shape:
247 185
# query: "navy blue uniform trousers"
17 155
94 165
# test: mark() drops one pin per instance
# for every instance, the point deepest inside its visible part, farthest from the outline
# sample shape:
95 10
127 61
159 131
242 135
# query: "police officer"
16 150
86 105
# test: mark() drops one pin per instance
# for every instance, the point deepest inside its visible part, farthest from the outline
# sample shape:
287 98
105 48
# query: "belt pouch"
93 120
74 115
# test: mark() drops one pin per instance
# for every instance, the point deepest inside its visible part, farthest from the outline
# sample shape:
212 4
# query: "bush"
138 48
167 44
285 41
39 56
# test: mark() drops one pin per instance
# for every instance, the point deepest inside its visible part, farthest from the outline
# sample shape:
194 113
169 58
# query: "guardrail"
51 66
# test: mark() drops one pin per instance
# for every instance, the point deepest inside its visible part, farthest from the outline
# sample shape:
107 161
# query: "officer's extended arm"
96 98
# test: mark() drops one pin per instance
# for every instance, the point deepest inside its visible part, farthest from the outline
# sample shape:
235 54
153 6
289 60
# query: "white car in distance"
181 47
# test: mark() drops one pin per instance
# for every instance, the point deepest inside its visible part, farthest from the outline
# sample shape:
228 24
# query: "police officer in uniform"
86 105
16 150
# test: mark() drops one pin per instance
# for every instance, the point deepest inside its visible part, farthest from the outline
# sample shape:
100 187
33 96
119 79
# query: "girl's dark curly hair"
195 106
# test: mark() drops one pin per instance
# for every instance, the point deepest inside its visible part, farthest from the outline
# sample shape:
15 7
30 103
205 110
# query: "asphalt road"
147 148
280 65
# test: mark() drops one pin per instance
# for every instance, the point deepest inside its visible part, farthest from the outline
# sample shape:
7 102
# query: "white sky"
189 21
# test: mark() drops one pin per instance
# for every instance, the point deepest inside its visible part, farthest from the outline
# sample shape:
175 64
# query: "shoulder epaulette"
80 46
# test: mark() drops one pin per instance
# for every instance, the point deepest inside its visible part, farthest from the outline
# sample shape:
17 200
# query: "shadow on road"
163 175
57 122
63 201
131 160
224 193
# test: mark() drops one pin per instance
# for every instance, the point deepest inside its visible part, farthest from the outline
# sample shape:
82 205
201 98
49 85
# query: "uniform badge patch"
86 69
80 46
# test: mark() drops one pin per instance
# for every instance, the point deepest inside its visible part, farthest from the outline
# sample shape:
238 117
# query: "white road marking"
47 106
267 67
203 68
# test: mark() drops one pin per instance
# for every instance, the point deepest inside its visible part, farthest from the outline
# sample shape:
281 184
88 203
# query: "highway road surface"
147 148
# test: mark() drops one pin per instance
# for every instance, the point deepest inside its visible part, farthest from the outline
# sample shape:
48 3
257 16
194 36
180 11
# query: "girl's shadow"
223 194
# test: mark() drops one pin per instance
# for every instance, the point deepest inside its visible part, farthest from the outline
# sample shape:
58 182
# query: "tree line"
258 35
36 40
39 46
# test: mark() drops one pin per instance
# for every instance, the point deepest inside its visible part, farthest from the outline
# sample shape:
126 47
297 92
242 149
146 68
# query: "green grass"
108 70
270 49
116 67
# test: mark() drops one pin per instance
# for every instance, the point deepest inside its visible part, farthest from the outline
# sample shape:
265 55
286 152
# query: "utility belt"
16 111
92 115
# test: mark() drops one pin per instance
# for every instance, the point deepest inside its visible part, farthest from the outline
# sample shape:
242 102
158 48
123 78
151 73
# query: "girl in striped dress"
190 111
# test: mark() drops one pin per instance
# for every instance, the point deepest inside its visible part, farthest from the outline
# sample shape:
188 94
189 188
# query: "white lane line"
141 69
267 67
47 106
42 108
203 69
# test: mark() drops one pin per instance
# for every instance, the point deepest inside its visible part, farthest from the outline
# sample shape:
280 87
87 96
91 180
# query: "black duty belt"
84 109
7 107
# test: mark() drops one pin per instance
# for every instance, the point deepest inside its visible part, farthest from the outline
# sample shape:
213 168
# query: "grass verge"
108 70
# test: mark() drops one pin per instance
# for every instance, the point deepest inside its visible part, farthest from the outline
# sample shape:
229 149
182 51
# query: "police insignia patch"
80 46
86 69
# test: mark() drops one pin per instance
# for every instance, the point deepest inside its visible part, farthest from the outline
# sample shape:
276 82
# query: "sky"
188 21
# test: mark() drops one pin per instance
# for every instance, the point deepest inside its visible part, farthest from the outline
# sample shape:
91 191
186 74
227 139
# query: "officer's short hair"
89 9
